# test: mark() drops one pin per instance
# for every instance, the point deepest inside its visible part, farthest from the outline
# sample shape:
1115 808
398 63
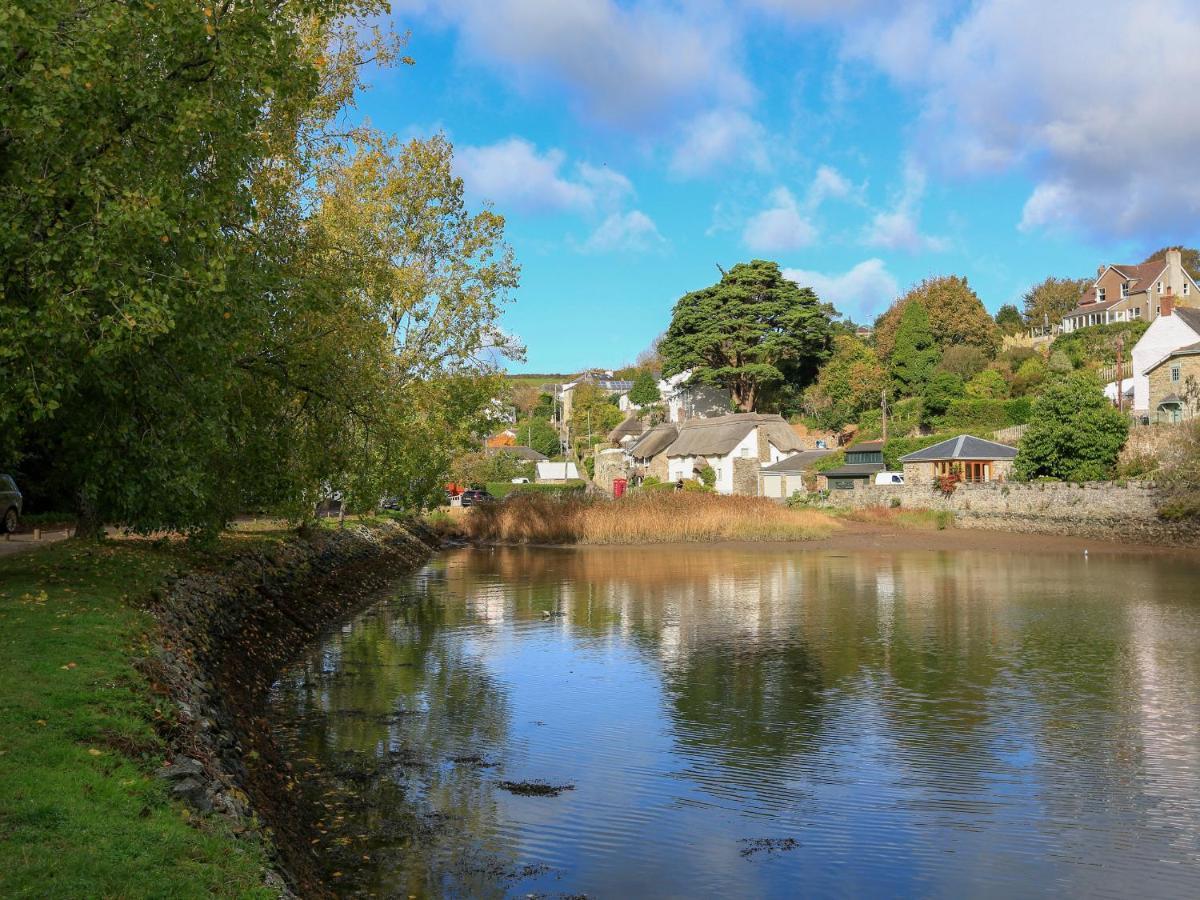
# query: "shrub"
502 489
708 476
963 360
1074 434
942 389
987 385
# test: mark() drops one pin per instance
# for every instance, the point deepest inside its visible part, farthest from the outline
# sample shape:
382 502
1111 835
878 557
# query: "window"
1160 287
1157 311
1175 374
1187 285
1099 295
1137 312
746 452
1124 289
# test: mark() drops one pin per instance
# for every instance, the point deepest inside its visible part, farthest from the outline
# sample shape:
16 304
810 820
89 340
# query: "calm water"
760 723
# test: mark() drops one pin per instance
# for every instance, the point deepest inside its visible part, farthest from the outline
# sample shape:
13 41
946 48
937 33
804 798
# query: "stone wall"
1102 509
1158 441
745 476
610 465
224 634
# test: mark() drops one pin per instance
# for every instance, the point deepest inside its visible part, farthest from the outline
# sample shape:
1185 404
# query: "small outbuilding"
556 472
863 462
972 459
782 479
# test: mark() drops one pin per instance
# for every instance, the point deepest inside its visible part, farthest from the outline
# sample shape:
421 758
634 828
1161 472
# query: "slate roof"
865 446
795 465
857 470
719 435
654 441
1190 317
962 447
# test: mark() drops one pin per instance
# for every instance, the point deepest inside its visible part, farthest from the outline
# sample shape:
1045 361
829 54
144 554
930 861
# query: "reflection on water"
915 723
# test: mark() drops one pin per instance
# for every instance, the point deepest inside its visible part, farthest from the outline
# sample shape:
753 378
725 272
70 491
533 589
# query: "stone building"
972 459
1174 385
752 439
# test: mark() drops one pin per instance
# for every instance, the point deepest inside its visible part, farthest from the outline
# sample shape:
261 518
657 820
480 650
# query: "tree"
480 466
593 415
525 397
1029 376
538 434
1009 319
752 330
1046 303
956 316
963 360
645 390
1075 434
914 354
849 382
942 389
1190 257
988 385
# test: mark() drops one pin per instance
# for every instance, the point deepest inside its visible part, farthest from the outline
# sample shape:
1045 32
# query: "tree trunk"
87 519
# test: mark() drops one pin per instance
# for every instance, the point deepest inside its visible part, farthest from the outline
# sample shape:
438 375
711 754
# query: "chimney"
1099 271
1174 260
1166 303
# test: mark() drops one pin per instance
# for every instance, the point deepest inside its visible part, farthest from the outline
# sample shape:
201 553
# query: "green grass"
501 489
81 814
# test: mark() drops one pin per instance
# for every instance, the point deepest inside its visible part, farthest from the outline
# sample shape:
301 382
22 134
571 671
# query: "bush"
904 416
987 385
942 390
501 489
1075 434
1097 344
708 477
963 360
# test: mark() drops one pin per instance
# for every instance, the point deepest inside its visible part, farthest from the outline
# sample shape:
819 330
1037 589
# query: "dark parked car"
471 497
11 503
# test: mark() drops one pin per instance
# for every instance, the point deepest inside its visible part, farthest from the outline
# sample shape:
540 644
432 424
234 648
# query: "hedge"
501 489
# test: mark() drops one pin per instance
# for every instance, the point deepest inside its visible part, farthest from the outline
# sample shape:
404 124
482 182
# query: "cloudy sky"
863 144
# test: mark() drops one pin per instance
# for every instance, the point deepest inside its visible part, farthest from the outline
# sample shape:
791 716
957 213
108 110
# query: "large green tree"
645 389
751 331
915 353
1047 302
956 316
1075 433
851 381
1009 319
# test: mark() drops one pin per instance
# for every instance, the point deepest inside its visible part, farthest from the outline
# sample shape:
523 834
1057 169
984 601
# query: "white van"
889 478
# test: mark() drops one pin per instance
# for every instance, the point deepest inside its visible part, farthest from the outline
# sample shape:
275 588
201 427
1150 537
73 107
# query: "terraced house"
1123 293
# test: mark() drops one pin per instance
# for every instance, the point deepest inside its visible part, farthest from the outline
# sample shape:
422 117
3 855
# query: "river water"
758 722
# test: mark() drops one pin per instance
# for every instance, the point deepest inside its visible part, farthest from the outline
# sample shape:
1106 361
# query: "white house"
556 472
686 401
719 442
1174 328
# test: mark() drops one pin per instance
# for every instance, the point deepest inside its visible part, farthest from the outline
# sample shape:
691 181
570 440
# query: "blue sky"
863 144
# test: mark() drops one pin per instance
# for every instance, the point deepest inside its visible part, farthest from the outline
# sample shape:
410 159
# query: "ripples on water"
760 723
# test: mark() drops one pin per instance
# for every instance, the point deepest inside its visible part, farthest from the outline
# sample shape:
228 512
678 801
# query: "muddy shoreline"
223 637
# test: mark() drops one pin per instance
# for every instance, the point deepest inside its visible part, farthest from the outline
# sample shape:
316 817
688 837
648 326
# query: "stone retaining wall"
1101 509
223 636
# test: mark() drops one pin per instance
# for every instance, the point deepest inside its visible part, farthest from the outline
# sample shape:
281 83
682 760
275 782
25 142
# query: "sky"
864 145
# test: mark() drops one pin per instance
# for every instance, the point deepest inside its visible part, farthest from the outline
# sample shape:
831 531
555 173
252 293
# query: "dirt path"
12 544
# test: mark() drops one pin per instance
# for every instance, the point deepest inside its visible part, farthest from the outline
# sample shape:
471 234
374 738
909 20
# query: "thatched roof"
654 441
718 436
631 427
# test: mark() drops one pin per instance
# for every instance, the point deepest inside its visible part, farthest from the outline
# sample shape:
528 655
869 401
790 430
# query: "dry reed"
656 518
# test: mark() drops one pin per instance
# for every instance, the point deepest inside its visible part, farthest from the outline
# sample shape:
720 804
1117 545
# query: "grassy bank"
81 813
920 519
643 519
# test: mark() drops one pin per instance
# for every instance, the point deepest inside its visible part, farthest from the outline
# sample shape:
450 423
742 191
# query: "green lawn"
81 814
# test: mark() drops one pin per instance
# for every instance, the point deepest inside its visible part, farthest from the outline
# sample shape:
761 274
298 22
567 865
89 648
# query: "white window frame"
1099 295
1176 374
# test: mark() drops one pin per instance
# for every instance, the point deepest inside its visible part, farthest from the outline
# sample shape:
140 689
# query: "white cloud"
513 174
718 137
898 228
1030 86
632 231
828 183
628 64
861 293
781 227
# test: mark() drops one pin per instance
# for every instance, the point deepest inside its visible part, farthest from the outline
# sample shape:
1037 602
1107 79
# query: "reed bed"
658 518
916 519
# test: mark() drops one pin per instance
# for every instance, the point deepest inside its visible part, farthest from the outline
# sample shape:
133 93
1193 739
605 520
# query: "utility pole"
1121 373
883 408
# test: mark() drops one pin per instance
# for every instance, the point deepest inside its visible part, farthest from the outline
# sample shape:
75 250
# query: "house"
692 401
1124 293
506 438
972 459
627 433
863 462
1177 327
648 454
613 387
556 472
782 479
1174 385
734 446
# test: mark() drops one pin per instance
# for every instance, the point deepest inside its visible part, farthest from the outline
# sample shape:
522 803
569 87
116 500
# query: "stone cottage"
1174 385
972 459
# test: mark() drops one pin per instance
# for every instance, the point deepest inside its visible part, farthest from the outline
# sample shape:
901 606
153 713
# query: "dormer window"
1099 295
1124 289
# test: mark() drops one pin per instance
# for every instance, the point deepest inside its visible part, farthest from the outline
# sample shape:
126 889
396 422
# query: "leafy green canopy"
956 316
213 295
645 389
851 381
752 330
1075 434
915 353
1046 303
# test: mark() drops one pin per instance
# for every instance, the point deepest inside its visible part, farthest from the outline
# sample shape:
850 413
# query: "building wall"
1162 386
610 465
925 472
1100 509
744 476
1165 334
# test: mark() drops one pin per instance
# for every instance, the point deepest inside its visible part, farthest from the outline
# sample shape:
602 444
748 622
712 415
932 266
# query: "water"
744 722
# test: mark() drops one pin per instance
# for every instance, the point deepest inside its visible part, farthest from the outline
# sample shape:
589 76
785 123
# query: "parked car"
520 481
11 504
889 478
472 497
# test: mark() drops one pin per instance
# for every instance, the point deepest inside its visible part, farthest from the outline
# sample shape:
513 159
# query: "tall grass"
918 519
656 518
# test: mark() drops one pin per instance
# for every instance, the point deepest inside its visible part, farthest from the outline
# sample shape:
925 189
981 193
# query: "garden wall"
1105 510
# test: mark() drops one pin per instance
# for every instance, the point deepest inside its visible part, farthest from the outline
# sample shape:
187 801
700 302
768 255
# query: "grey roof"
857 470
719 435
1191 317
1170 398
630 427
527 453
962 447
795 465
865 446
654 441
